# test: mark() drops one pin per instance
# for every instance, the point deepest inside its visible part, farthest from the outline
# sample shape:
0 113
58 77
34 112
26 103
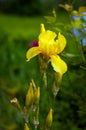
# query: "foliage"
35 7
21 7
16 74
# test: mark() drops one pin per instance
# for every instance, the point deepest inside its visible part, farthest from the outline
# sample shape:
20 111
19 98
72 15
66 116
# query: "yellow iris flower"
50 48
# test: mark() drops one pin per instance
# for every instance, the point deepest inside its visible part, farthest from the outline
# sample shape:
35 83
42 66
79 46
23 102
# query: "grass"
17 26
26 27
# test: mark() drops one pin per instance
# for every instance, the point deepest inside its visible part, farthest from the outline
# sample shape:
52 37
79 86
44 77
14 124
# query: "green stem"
45 79
36 119
25 115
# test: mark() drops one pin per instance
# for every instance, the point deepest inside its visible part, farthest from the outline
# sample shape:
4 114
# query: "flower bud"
37 95
55 88
15 102
26 127
49 118
34 86
29 96
67 7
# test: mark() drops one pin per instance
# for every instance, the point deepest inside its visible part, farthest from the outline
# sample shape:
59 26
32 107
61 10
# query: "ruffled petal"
61 43
58 64
46 42
32 52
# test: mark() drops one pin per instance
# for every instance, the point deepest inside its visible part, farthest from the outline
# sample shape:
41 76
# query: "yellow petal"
58 64
47 36
42 28
61 43
46 42
32 52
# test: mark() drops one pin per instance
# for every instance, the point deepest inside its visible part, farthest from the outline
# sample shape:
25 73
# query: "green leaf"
73 51
50 19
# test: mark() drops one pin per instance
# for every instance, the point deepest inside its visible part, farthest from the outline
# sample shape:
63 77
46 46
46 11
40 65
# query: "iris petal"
42 28
58 64
32 52
47 43
61 43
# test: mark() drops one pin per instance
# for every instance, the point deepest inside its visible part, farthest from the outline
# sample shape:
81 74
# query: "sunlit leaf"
50 19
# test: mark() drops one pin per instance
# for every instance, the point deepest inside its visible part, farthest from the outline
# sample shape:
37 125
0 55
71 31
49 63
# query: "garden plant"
57 58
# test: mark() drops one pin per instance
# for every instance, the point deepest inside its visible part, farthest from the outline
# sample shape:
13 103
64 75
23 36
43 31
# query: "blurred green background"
19 26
